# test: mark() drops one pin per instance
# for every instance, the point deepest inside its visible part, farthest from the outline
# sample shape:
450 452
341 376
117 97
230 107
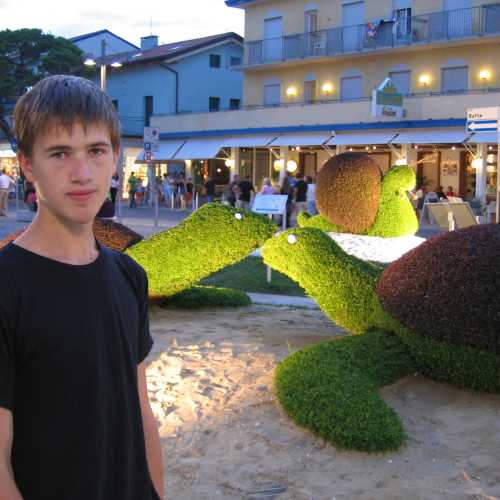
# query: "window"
214 60
234 103
148 109
309 91
402 81
235 61
351 87
272 95
455 79
213 103
115 103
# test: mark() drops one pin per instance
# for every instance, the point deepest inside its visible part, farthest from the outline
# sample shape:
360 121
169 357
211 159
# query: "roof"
173 50
238 3
79 38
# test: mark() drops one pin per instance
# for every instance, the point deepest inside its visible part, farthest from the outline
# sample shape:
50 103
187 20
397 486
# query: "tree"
27 56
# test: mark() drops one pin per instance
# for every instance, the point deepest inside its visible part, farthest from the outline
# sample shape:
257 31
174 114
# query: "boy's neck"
69 243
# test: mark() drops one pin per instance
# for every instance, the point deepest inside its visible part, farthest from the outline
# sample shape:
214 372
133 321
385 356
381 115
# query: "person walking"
245 195
75 419
311 195
300 194
288 190
267 187
113 188
132 189
5 184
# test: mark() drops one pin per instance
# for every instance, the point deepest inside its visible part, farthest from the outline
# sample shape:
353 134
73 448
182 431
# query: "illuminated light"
292 239
401 161
230 163
415 147
490 148
116 64
89 62
491 158
291 91
297 148
374 147
327 88
278 165
367 148
291 166
477 163
219 170
350 149
453 148
484 75
424 80
238 216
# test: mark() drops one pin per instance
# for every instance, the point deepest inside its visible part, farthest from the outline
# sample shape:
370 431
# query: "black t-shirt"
71 338
210 188
246 188
301 191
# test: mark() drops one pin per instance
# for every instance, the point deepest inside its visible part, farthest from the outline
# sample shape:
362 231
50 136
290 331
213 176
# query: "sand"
225 436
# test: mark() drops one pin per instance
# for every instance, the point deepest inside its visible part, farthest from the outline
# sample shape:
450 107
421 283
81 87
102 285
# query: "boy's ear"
26 165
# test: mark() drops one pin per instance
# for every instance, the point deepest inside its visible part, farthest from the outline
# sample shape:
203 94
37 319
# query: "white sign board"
483 119
270 204
151 138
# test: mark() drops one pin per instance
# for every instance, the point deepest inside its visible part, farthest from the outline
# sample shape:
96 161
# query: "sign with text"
151 138
268 204
483 119
387 100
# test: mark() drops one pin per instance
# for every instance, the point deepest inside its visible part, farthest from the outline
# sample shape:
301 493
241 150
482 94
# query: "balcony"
405 31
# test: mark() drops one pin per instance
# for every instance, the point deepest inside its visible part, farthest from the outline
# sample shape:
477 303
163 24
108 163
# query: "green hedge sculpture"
365 300
395 214
210 239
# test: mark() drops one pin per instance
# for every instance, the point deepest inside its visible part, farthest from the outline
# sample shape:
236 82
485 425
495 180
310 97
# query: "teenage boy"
75 421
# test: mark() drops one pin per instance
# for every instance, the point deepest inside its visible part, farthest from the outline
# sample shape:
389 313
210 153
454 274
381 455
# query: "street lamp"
92 62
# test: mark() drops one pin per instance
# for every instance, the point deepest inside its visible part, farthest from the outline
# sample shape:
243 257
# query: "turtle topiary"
436 310
392 216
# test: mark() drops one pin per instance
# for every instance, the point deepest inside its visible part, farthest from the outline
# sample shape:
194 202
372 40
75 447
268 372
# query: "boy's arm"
8 488
151 435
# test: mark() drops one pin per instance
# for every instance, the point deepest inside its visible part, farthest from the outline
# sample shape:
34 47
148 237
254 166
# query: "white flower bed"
375 248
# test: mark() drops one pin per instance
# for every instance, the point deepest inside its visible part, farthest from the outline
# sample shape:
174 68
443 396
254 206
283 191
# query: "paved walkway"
283 300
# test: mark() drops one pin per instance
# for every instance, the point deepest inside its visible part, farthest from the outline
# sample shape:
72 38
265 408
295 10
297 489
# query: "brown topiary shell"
447 288
348 191
111 234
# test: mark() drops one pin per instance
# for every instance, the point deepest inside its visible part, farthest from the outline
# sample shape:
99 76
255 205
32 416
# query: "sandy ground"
225 436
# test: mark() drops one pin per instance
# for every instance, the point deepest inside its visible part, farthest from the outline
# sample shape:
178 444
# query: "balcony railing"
428 28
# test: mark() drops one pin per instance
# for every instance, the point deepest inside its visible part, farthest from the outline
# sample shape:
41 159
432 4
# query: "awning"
431 137
201 149
361 138
250 141
305 139
165 152
484 138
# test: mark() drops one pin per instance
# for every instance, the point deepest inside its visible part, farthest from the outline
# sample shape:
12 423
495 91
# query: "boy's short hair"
62 101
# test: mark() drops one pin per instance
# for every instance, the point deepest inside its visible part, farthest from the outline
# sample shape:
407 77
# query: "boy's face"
71 171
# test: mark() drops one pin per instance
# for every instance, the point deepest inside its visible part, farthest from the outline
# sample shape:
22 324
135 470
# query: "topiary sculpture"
210 239
353 197
435 310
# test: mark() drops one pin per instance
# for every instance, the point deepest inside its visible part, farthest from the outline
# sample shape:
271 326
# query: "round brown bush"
448 288
348 191
109 233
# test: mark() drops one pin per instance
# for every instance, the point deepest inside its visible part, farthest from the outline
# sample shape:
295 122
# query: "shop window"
213 103
235 61
455 79
215 60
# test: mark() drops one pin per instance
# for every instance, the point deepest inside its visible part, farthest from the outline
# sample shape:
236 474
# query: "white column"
235 155
405 152
482 153
284 157
189 169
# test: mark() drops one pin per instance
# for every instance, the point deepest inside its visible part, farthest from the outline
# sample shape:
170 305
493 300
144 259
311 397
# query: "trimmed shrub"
201 297
447 289
304 219
114 235
111 234
332 387
208 240
457 364
342 285
395 216
348 191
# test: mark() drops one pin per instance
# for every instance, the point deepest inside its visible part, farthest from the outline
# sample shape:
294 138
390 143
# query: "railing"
428 28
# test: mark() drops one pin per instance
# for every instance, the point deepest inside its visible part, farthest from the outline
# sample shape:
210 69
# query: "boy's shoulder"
126 264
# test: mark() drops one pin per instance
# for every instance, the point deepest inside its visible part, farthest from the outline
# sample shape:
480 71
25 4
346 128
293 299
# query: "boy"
75 421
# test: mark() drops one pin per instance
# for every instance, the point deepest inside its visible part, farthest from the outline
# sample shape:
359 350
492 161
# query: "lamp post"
104 75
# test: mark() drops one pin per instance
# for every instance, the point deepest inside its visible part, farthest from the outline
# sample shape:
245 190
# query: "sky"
172 20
